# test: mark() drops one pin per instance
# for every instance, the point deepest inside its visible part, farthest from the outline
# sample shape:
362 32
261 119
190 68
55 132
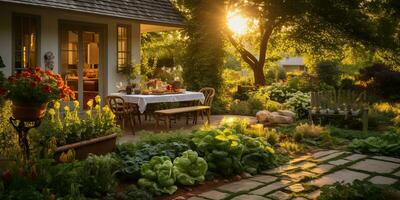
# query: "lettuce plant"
190 168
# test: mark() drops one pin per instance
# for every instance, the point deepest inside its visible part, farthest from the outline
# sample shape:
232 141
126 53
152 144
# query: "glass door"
81 61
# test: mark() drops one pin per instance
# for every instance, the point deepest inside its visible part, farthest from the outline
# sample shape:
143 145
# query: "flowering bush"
37 87
57 129
299 103
279 91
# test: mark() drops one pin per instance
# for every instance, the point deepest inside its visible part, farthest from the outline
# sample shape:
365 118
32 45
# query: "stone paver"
305 165
355 157
298 176
321 169
240 186
330 156
271 187
213 194
196 198
347 176
264 178
397 174
314 195
249 197
299 198
323 153
338 162
381 180
301 158
279 195
279 169
391 159
377 166
296 188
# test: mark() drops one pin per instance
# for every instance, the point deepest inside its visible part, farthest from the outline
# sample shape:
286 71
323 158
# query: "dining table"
142 100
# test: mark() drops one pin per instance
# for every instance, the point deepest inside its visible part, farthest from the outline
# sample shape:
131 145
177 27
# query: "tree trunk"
259 77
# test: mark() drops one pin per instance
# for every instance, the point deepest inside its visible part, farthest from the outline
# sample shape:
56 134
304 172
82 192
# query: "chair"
209 94
121 110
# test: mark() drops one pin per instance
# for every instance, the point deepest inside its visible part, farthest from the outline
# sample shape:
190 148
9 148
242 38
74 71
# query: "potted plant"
30 91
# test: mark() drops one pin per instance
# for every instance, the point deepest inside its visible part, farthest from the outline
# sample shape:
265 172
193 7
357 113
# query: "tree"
317 25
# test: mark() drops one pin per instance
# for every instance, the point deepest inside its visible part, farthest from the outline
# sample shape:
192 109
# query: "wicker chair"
122 111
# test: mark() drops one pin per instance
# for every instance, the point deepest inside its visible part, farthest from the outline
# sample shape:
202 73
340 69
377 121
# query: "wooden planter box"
99 146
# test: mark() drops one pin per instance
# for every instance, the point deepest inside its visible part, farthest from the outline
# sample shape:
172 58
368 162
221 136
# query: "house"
292 64
88 42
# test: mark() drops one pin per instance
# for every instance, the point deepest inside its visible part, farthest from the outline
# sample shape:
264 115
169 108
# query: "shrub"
309 131
356 190
97 175
8 136
328 72
279 91
290 147
299 103
240 108
382 81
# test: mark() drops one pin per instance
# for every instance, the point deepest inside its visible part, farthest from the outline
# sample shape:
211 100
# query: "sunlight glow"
236 23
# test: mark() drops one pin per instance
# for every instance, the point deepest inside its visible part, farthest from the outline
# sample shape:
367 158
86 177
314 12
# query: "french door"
81 60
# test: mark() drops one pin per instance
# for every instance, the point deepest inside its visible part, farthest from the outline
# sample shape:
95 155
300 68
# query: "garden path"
180 125
302 178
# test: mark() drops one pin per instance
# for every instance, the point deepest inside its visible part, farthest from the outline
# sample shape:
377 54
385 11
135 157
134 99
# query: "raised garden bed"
99 146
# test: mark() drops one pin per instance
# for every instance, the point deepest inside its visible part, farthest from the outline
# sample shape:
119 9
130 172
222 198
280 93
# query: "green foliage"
240 108
8 136
328 72
228 152
97 175
157 175
190 168
291 147
387 144
299 103
352 191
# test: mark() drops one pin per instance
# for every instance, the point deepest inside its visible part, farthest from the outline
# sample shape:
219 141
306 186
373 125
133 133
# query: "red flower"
18 76
33 173
3 91
25 73
33 84
12 79
49 72
47 89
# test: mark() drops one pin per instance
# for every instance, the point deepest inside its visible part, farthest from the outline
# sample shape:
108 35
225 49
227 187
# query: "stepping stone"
214 195
355 157
264 178
240 186
386 158
305 165
347 176
249 197
279 195
314 195
299 198
381 180
377 166
298 176
321 169
338 162
271 187
299 159
330 156
323 153
279 169
296 188
397 174
196 198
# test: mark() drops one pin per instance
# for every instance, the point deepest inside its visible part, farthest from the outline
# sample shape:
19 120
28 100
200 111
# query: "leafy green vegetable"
157 175
190 168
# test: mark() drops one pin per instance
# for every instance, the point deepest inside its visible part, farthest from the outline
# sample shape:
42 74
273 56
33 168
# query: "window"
123 45
26 32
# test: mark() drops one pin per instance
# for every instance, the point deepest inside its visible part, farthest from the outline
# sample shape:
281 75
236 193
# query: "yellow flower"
90 103
56 105
52 112
76 104
97 107
106 109
233 137
97 99
66 108
88 113
221 137
234 144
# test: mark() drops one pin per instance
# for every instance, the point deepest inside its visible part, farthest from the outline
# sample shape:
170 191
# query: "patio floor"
179 125
303 177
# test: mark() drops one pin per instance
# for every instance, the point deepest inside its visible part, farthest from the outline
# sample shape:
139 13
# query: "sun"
237 23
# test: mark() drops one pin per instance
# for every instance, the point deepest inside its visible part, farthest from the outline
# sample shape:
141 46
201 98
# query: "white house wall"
49 37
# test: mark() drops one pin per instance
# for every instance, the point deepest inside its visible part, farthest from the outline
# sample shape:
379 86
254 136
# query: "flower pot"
28 112
98 146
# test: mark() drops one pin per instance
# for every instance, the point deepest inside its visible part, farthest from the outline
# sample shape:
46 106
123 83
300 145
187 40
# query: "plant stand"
22 128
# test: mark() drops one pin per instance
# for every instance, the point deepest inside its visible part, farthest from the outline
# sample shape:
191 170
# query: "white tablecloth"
143 100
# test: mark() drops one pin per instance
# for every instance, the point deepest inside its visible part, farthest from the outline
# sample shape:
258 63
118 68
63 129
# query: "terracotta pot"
98 146
28 112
